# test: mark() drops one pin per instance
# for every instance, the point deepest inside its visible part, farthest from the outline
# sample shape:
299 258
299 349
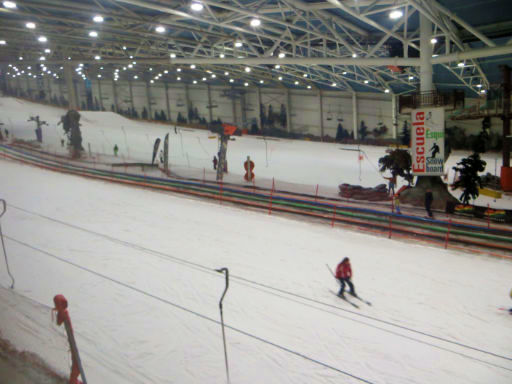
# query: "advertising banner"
427 141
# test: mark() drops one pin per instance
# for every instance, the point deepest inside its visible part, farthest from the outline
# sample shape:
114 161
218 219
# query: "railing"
453 100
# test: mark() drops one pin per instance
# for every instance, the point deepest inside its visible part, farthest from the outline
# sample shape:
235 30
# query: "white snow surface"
144 295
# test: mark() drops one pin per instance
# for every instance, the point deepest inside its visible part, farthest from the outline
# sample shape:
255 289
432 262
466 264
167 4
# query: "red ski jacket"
343 271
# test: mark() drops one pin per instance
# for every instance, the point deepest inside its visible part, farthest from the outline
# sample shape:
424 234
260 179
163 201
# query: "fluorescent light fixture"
309 86
333 84
255 22
296 83
124 68
160 29
261 82
344 73
231 80
305 75
226 73
433 40
214 75
434 55
196 6
277 66
366 81
386 91
192 66
30 25
204 78
166 71
99 76
411 77
3 42
47 50
124 47
354 55
395 14
247 69
178 78
281 55
150 69
130 65
280 78
461 64
42 39
134 62
93 34
178 70
195 82
246 84
483 91
98 19
42 58
479 85
97 57
222 56
152 81
135 77
238 43
172 55
9 4
131 57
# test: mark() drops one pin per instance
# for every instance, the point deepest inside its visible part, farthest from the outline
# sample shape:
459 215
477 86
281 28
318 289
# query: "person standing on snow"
344 274
429 198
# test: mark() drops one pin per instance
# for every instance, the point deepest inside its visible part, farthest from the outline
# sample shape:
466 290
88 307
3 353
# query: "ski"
361 299
345 299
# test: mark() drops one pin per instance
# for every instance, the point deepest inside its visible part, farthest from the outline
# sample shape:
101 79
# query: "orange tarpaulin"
229 129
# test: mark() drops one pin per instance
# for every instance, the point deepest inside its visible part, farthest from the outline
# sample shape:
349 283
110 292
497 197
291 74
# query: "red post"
220 197
253 186
270 201
390 227
333 215
204 175
61 305
316 193
447 234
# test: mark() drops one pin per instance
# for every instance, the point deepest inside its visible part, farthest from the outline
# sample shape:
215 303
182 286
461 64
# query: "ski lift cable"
190 311
205 268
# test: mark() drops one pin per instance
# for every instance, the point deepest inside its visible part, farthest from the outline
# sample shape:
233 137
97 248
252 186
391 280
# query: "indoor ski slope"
295 165
137 268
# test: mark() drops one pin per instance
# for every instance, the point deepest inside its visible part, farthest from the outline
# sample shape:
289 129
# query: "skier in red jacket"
343 274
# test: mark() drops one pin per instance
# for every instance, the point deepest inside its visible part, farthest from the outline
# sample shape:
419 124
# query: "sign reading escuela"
427 141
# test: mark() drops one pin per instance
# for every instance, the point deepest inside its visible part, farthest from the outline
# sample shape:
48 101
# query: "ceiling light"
247 69
280 78
221 56
296 83
97 57
135 77
354 55
195 82
93 34
134 62
178 78
178 70
386 91
411 77
238 43
131 57
344 73
42 58
255 22
305 75
42 39
214 76
166 71
204 78
246 84
226 73
196 6
435 55
309 86
261 81
333 84
395 14
173 55
461 64
483 91
160 29
152 81
281 55
231 80
366 81
47 50
479 85
277 66
124 47
20 58
98 19
99 76
80 65
433 40
150 69
30 25
130 65
3 42
9 4
192 66
69 58
124 68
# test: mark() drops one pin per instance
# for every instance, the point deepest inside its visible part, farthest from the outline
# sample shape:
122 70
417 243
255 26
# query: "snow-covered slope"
137 269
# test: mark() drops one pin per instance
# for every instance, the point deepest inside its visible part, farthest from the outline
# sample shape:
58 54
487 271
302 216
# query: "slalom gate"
446 233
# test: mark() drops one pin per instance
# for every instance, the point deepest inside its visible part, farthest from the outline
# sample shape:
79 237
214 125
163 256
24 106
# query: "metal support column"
234 105
168 105
321 109
258 93
506 115
425 54
100 95
394 120
243 108
187 100
354 114
114 92
288 115
131 96
148 96
210 112
68 75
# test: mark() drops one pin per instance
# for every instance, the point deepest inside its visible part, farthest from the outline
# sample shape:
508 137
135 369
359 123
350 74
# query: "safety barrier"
449 234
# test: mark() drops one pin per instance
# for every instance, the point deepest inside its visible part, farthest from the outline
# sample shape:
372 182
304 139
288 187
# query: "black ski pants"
342 287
